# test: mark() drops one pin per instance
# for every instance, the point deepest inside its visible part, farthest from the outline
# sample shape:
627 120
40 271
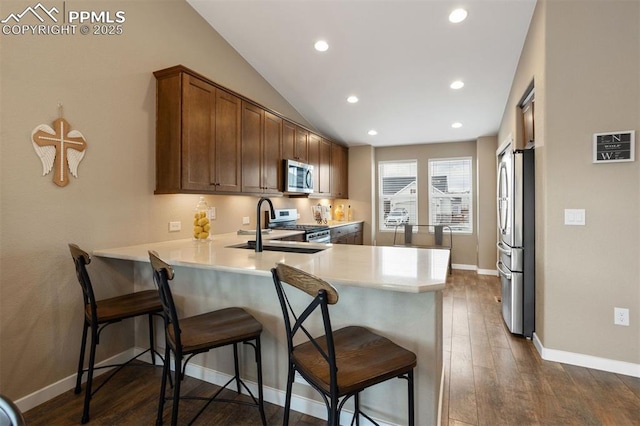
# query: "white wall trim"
61 386
474 268
488 272
464 267
581 360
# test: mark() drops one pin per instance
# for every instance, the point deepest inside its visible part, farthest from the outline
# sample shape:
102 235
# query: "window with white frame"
397 193
450 193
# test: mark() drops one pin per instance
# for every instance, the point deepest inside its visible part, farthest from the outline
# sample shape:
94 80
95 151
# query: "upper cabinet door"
324 168
288 140
227 142
301 147
313 158
252 142
198 129
272 168
339 171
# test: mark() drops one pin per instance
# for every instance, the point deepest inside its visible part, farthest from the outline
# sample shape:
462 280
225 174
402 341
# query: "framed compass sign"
614 146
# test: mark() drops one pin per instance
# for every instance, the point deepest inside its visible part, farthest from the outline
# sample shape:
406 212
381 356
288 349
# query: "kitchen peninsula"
395 291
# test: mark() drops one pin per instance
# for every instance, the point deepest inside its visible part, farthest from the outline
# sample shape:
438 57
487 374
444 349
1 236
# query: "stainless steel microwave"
299 177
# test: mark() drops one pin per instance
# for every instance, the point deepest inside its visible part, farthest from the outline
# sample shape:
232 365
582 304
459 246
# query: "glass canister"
201 222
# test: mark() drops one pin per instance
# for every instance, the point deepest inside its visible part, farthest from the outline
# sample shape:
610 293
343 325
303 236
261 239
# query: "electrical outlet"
621 316
574 217
175 226
212 213
246 220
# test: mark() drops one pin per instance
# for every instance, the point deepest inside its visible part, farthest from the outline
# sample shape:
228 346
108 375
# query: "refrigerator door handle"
507 275
504 250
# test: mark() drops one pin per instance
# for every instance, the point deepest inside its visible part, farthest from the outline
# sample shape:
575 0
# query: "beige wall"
587 81
362 188
485 188
108 91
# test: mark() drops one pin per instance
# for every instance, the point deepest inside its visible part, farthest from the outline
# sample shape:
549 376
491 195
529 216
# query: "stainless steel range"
286 219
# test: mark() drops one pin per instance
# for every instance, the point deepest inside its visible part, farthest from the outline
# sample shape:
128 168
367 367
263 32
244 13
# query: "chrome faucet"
258 230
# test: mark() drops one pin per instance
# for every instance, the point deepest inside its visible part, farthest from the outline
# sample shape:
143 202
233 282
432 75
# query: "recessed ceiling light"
457 16
321 45
456 125
352 99
458 84
372 132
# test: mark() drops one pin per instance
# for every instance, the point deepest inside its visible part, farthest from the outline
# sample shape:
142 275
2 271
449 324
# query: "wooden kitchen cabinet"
301 151
347 234
295 142
339 171
324 168
197 135
288 140
313 158
319 151
272 168
210 139
261 160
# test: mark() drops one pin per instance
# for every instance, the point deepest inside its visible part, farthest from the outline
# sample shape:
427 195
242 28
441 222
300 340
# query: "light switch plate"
246 220
574 217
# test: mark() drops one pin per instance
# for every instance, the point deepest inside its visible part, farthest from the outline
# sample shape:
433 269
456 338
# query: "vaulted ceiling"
398 57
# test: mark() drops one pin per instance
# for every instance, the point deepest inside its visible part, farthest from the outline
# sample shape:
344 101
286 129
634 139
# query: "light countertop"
401 269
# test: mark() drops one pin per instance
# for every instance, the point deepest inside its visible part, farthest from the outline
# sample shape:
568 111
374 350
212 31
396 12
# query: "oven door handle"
502 249
507 275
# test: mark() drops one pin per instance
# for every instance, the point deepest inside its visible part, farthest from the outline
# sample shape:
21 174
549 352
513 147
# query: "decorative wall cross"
57 147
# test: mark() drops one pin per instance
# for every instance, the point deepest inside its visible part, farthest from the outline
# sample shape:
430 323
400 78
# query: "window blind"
397 193
450 193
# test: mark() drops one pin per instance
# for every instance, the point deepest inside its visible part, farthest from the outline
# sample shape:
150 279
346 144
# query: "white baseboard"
271 395
61 386
474 268
581 360
464 267
488 272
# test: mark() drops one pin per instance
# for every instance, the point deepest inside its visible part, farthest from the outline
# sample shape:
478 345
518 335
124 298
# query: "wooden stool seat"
215 329
363 359
126 306
98 314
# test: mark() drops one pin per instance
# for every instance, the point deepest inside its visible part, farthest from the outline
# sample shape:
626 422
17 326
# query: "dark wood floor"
495 378
491 378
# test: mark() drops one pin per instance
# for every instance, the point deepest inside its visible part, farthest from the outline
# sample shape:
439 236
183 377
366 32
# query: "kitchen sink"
287 247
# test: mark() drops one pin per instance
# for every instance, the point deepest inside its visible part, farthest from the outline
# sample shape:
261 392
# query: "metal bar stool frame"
162 274
329 347
97 324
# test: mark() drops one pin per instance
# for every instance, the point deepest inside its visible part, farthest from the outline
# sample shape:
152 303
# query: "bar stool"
199 334
341 363
102 313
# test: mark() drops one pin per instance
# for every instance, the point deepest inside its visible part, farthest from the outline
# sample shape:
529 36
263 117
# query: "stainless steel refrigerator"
516 242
